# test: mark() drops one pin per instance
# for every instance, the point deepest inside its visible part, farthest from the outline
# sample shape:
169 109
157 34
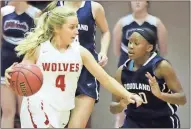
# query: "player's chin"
132 57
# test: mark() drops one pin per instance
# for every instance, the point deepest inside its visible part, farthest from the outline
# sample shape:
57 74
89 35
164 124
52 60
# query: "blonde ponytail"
50 6
33 39
44 29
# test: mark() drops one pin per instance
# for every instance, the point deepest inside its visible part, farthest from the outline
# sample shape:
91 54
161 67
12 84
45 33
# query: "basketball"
26 79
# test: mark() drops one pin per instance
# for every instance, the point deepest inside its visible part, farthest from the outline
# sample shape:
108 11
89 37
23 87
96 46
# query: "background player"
139 18
152 77
53 35
17 19
90 15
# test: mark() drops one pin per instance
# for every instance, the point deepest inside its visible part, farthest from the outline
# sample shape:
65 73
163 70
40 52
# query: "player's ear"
57 29
149 48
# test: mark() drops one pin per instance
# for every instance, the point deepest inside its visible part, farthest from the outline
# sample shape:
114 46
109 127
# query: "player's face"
69 30
138 47
138 5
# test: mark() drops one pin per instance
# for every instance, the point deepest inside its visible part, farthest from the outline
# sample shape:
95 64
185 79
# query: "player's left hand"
154 85
103 59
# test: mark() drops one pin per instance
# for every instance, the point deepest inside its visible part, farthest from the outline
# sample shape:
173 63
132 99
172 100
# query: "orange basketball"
26 79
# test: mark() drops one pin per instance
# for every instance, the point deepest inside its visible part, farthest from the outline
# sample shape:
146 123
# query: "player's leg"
8 97
86 95
82 111
8 106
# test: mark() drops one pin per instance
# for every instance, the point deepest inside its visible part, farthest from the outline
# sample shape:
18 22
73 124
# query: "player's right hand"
138 100
7 71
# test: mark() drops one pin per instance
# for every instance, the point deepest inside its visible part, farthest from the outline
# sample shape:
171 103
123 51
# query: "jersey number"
143 96
60 82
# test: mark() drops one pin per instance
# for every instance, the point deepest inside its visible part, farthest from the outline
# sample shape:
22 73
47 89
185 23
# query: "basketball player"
139 18
90 14
152 77
17 19
50 47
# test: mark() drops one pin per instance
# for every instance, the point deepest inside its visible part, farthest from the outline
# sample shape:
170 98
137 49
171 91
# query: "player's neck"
58 44
140 15
140 62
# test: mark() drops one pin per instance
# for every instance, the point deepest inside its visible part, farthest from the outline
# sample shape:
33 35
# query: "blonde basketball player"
50 47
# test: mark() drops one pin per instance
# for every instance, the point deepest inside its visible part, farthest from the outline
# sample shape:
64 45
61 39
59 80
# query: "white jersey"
60 75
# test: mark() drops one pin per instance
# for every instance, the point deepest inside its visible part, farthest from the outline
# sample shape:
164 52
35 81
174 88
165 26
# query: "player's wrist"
160 95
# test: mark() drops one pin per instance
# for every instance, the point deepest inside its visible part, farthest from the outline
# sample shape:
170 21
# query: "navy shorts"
123 57
87 83
162 122
8 57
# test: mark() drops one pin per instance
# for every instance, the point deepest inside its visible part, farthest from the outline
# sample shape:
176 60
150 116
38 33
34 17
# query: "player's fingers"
99 58
101 63
148 75
104 63
139 102
7 82
15 63
151 79
131 101
7 73
154 80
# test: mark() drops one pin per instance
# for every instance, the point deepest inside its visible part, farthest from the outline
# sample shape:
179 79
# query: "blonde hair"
44 29
50 6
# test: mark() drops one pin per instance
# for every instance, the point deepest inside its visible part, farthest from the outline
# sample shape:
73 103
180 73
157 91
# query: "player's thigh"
82 111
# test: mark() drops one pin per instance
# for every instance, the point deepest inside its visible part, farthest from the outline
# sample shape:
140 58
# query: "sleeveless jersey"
137 82
60 75
15 26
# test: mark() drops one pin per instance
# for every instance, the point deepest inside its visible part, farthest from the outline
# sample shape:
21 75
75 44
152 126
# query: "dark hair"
149 35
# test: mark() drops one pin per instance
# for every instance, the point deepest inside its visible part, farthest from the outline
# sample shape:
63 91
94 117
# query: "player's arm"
118 104
165 70
162 37
117 34
106 81
26 60
101 22
98 72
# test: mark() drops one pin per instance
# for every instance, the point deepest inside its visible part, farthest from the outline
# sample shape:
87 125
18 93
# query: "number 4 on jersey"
60 82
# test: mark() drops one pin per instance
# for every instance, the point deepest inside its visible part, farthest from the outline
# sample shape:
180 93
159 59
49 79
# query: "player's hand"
138 100
154 85
103 59
124 103
134 98
7 71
